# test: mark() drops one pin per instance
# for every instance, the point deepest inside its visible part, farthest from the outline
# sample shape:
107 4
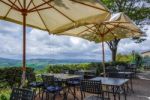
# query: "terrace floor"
141 91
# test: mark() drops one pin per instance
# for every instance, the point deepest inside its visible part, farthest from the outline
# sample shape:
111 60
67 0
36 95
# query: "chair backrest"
71 71
48 80
64 71
91 86
22 94
121 67
31 77
116 75
81 74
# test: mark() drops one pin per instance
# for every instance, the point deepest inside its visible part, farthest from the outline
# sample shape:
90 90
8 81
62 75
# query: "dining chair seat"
51 85
53 89
36 84
74 82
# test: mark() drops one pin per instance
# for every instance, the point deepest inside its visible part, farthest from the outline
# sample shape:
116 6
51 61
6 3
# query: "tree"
124 58
137 10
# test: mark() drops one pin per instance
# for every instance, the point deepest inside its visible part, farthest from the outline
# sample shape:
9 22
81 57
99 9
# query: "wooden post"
24 14
103 55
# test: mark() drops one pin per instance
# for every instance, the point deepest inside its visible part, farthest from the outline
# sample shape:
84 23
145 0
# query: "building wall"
146 59
146 54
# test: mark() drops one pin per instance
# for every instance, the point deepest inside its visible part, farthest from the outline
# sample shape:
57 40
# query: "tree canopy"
137 10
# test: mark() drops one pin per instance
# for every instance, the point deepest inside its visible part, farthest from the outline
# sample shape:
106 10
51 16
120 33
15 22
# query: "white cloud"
127 45
42 45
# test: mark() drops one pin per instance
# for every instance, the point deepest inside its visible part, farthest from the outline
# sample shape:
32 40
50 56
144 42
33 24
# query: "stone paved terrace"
141 91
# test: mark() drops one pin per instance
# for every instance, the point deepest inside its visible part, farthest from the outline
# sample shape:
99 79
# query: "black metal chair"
89 75
93 87
71 71
22 94
118 90
51 85
116 75
75 82
32 83
64 71
132 68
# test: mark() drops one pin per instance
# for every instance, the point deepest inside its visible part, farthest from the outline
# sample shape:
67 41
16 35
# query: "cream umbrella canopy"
53 16
118 26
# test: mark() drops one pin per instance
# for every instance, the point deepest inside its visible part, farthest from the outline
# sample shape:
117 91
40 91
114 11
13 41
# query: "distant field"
40 63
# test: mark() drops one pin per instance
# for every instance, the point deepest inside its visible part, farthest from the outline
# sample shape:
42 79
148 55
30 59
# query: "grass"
5 94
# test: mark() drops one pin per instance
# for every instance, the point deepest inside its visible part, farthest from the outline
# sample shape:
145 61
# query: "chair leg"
119 96
65 96
54 97
74 90
39 93
42 95
81 96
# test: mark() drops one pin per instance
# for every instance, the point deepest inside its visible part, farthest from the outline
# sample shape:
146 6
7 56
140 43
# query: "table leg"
114 93
65 94
132 85
124 91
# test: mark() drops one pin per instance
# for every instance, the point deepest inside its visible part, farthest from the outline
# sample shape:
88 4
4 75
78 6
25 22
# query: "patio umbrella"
53 16
118 26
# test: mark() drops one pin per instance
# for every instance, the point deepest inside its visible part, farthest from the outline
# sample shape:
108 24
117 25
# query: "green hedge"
61 67
83 66
12 75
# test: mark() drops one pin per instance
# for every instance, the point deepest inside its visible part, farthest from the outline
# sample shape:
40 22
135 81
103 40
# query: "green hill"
41 63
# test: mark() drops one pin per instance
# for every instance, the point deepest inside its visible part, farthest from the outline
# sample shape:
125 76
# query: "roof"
146 52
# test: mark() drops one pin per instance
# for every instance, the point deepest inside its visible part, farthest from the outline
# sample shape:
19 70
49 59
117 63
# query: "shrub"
84 66
61 67
12 75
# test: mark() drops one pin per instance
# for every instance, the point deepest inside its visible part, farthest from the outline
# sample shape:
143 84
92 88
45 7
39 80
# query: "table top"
87 71
126 73
64 76
111 81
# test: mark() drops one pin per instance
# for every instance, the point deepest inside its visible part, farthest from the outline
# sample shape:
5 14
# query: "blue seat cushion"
74 82
36 84
53 89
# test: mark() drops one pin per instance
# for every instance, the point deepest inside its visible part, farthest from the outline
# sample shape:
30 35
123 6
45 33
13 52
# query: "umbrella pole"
103 56
24 51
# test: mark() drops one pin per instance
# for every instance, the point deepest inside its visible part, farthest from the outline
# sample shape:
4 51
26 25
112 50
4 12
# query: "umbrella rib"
20 3
13 4
116 22
126 28
39 9
35 7
98 25
29 4
42 19
61 12
84 31
9 10
10 5
114 34
89 5
111 32
90 28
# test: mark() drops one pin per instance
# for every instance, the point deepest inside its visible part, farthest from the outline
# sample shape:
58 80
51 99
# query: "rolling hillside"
41 63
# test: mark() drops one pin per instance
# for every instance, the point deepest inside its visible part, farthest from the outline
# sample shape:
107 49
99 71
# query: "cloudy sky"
42 45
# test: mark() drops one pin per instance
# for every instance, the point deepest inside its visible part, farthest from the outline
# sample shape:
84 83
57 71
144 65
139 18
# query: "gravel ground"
144 75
